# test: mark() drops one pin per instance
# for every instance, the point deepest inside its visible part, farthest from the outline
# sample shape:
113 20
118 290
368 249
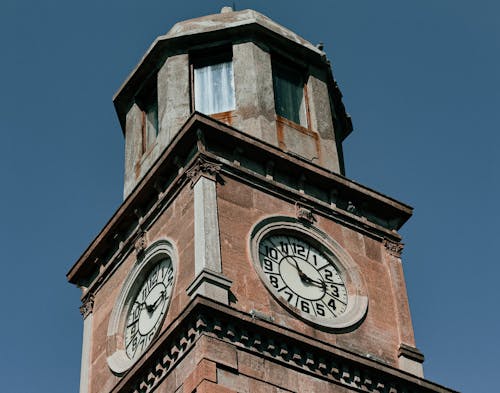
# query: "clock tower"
242 259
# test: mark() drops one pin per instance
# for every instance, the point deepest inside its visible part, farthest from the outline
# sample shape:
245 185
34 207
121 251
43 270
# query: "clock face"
148 307
300 273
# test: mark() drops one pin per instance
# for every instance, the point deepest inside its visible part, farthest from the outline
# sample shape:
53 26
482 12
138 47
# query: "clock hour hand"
305 278
152 307
322 284
308 280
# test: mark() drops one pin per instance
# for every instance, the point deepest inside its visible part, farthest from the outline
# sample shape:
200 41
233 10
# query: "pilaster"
209 280
410 359
86 310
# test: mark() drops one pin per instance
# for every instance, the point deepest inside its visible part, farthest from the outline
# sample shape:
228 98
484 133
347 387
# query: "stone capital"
394 248
87 306
205 168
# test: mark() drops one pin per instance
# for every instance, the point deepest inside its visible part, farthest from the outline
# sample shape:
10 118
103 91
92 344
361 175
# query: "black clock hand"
152 307
160 299
132 323
140 305
302 275
305 278
322 284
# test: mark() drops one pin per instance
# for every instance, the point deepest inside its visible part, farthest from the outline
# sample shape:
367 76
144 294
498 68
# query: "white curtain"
214 88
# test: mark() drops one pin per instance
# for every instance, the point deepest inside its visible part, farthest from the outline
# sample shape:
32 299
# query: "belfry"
242 259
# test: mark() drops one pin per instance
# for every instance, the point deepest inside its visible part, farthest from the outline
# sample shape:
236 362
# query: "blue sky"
420 79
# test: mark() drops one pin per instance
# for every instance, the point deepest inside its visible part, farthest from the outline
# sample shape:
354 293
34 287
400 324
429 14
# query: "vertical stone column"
322 119
253 83
409 357
86 311
209 280
173 97
133 148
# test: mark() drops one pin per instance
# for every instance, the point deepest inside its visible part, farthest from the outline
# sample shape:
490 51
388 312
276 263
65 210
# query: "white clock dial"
304 276
148 308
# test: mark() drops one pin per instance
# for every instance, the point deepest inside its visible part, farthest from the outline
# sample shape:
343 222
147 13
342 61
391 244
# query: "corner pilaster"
209 280
410 359
86 310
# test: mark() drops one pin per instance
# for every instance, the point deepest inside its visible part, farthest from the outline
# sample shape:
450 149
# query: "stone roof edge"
239 20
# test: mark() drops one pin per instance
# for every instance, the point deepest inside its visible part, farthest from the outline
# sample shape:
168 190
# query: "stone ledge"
411 353
212 285
410 359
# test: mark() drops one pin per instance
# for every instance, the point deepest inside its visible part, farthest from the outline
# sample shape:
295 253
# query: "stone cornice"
307 205
202 136
266 339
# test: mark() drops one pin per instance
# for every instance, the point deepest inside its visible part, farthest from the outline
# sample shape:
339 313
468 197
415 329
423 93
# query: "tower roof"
231 19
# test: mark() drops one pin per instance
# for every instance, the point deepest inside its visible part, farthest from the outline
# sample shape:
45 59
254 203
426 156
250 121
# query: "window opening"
213 83
290 97
147 100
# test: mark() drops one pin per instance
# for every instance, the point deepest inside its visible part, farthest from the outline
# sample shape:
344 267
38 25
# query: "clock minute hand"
302 275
